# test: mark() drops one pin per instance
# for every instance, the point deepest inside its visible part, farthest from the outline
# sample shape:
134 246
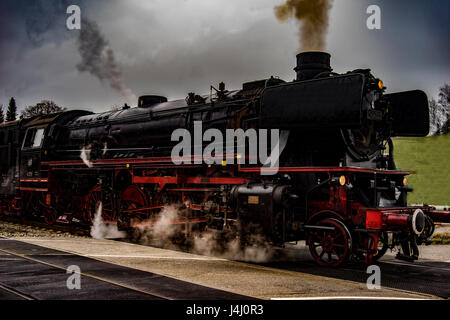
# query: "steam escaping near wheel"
102 230
165 233
163 229
259 252
85 155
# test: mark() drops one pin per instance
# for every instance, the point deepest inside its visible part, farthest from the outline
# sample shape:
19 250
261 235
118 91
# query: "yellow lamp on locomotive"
342 180
380 84
405 181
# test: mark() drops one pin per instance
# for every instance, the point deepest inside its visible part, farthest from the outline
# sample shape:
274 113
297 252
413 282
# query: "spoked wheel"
49 215
15 205
132 200
382 246
35 209
427 234
32 207
330 247
93 203
370 247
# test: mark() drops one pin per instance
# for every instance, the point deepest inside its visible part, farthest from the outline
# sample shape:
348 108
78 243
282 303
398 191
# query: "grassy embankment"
429 158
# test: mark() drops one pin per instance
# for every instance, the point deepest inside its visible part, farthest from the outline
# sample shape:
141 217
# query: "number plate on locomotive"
253 200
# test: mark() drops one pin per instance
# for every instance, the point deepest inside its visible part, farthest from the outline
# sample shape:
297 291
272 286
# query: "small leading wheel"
382 246
330 247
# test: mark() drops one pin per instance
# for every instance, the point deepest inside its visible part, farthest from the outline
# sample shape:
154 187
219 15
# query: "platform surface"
39 272
175 274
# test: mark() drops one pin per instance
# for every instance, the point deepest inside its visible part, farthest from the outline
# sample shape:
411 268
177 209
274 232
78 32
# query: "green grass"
429 158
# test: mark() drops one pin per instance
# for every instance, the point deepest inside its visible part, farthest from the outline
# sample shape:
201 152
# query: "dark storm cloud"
36 21
43 16
164 50
37 24
175 70
98 58
414 30
412 48
173 47
26 26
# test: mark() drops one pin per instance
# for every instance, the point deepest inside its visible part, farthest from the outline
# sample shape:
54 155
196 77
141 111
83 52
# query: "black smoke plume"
313 16
98 59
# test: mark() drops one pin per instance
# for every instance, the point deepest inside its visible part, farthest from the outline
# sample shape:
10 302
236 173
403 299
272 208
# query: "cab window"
33 138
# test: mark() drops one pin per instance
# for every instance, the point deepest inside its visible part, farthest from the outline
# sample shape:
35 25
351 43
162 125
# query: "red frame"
372 220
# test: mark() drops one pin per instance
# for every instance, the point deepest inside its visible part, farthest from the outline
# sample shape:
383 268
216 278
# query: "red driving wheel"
94 199
131 200
330 247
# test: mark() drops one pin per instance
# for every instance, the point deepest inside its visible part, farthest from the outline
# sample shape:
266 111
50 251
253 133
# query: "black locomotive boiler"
337 185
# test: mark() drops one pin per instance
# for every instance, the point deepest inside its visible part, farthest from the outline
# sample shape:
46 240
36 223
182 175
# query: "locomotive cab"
31 151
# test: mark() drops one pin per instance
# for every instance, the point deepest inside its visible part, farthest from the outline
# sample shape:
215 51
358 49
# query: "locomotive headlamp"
224 163
127 165
405 181
380 84
342 180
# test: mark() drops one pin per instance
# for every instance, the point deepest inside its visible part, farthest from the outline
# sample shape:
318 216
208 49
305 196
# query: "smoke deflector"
410 113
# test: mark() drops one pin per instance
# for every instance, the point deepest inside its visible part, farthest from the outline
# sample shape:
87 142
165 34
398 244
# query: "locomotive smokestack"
311 64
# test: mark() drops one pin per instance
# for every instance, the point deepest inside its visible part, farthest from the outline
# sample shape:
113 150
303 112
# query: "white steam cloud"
85 155
166 234
102 230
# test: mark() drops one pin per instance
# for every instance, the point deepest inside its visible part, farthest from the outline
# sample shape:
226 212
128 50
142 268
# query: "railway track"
128 290
422 277
6 292
75 229
35 272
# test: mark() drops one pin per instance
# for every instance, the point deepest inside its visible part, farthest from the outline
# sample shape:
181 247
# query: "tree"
444 102
440 112
433 117
42 108
11 113
2 115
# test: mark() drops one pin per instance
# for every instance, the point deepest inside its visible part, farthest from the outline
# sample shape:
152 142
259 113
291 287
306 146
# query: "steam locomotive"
337 186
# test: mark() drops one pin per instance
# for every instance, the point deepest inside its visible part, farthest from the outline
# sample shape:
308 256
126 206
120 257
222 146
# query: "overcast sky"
172 47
